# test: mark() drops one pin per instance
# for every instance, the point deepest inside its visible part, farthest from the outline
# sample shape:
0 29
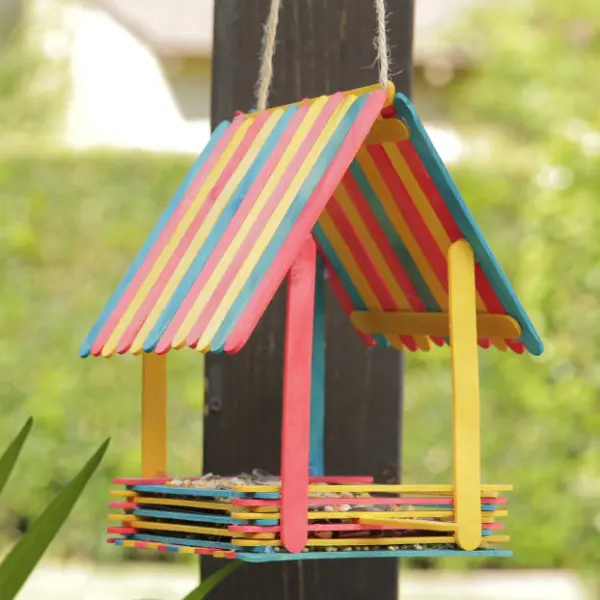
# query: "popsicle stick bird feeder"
347 190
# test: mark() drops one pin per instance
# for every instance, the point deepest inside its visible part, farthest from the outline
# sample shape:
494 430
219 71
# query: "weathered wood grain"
323 46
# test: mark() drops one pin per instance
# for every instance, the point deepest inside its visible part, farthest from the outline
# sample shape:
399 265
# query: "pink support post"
295 435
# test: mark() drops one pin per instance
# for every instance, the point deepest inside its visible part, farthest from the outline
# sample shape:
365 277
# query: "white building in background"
141 73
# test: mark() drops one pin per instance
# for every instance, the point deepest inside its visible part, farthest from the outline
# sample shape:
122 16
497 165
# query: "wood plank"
244 393
431 324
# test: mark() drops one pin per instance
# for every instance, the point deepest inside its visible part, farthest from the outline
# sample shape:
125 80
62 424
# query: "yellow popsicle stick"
369 89
494 539
249 516
122 494
465 394
154 415
388 131
345 255
354 541
409 523
254 213
272 225
487 490
262 536
358 514
205 228
147 545
184 528
401 541
432 324
500 344
182 226
379 260
412 186
124 518
151 525
490 517
397 219
416 514
184 503
425 209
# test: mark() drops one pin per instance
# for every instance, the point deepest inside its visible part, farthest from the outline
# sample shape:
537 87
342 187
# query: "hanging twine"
381 44
265 75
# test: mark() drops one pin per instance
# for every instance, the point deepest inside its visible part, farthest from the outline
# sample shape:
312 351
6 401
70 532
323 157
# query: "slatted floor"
348 518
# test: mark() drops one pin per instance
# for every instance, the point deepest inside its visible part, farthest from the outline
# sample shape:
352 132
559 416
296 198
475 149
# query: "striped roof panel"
384 214
387 230
231 232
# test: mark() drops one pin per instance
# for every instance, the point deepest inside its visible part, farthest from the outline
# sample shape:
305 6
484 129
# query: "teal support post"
317 406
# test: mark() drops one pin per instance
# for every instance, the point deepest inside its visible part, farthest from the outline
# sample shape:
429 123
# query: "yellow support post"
154 415
465 395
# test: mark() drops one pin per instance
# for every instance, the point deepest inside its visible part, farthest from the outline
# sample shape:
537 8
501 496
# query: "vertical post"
322 47
295 429
465 395
154 415
317 393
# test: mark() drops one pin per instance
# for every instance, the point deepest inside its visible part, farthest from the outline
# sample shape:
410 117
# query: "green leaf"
213 581
22 559
10 456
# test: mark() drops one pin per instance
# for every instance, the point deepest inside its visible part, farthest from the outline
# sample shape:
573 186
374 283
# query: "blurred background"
103 105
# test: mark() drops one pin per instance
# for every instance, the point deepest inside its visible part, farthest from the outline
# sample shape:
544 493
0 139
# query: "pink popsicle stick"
295 433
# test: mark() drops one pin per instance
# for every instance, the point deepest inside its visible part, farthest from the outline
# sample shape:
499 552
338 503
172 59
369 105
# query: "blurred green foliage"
532 178
18 564
32 87
71 224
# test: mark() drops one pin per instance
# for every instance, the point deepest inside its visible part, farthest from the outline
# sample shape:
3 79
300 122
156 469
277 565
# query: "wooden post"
322 47
465 395
154 415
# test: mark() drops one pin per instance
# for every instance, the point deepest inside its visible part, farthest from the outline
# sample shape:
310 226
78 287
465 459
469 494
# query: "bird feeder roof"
358 172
